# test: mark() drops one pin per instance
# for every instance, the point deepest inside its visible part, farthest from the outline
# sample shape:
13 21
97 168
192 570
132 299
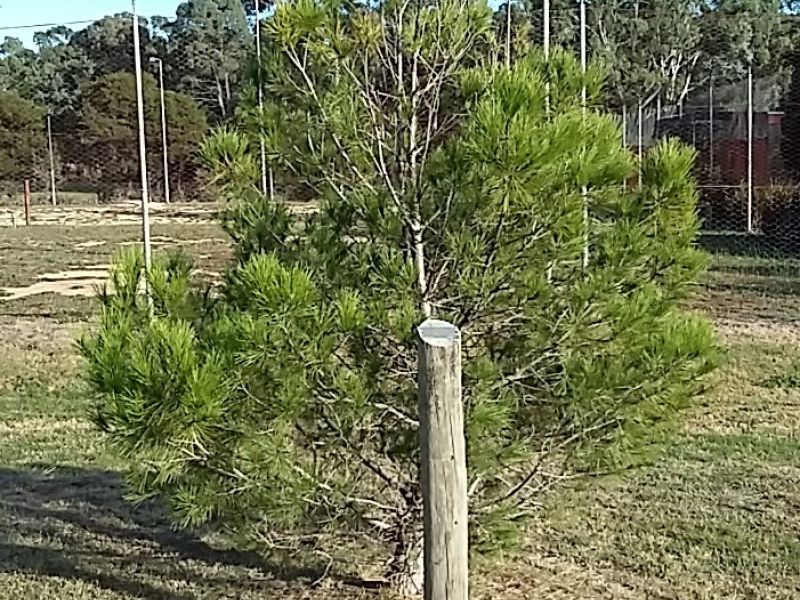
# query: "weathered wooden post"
443 462
26 201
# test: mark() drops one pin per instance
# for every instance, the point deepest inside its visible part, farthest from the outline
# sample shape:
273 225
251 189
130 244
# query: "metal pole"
164 144
749 149
546 34
26 201
640 139
508 33
625 125
584 189
266 188
584 61
711 130
546 46
137 59
53 192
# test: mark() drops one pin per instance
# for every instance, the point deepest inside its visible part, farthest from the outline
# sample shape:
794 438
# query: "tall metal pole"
164 144
53 192
640 139
546 34
711 129
749 149
584 189
508 33
137 59
266 189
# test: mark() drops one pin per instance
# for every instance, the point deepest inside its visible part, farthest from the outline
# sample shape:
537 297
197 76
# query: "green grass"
717 516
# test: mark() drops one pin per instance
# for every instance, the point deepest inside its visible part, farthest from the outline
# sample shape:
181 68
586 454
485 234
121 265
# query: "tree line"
84 78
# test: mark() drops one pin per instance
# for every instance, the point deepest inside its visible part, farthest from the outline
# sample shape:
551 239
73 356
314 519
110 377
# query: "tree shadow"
76 525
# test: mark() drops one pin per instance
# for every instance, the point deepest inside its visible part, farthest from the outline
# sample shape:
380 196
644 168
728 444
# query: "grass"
717 516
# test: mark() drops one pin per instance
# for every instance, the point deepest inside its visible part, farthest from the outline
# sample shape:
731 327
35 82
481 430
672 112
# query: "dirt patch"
24 426
79 282
161 241
120 213
734 330
125 213
91 244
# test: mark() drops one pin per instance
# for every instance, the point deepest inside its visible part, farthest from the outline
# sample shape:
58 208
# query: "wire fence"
721 77
68 104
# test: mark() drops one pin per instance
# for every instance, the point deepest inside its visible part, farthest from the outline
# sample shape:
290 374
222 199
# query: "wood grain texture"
443 462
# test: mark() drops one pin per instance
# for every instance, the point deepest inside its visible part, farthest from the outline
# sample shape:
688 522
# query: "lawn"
717 516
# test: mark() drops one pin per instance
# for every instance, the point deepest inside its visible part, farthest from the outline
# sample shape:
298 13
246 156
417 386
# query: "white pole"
53 192
265 189
137 59
749 149
164 145
164 131
711 130
624 124
546 34
584 190
584 61
508 33
640 139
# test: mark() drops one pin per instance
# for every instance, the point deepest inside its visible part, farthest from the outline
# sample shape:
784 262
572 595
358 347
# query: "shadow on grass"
75 524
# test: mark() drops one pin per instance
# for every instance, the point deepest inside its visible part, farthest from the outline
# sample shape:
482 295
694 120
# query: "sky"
17 15
23 18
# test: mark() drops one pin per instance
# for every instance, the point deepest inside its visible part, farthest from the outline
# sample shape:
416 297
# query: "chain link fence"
68 103
719 76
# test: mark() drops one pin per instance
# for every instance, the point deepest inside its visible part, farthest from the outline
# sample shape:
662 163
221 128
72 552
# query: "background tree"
110 148
21 138
210 42
187 127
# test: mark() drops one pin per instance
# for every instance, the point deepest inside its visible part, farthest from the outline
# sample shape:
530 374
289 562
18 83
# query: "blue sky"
17 17
15 13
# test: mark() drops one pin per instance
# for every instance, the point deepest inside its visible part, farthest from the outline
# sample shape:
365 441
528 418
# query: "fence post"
26 201
443 462
749 149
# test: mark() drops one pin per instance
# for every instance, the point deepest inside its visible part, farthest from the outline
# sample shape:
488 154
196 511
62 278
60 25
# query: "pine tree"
283 406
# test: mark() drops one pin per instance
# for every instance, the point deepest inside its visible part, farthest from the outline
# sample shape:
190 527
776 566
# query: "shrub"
284 406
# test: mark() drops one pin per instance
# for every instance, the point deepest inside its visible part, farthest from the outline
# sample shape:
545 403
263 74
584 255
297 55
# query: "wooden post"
26 200
443 462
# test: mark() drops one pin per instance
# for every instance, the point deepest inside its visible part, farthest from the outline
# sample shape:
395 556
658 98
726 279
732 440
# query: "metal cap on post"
443 462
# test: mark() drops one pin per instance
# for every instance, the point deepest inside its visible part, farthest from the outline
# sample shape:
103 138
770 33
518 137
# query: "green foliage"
112 137
22 137
212 39
673 47
287 405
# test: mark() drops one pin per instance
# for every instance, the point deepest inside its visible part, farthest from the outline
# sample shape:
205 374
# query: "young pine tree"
283 406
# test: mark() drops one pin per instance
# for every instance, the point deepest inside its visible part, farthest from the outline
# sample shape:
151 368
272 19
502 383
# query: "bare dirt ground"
120 213
108 214
716 517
